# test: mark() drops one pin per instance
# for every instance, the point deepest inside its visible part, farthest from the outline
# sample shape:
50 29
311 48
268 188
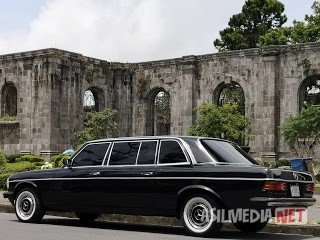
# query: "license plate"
295 191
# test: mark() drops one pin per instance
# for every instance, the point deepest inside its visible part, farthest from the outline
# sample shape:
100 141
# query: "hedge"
38 161
12 158
3 161
19 167
3 180
57 161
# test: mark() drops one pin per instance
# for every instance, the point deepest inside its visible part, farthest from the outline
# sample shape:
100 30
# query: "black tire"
194 216
87 218
28 206
250 227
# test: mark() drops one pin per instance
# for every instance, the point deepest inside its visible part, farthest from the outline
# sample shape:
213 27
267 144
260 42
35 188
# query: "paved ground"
70 229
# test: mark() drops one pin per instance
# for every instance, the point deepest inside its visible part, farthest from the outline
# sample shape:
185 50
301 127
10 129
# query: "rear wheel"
250 227
197 215
87 217
28 206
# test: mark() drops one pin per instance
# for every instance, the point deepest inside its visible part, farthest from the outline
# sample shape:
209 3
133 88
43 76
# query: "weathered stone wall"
51 84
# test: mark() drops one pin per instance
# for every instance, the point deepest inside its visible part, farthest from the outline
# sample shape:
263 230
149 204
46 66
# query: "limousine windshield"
225 152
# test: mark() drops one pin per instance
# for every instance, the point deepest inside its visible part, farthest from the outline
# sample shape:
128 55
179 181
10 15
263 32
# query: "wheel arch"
197 189
24 184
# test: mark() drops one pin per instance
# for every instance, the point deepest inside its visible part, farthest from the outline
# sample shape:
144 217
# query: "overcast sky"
122 30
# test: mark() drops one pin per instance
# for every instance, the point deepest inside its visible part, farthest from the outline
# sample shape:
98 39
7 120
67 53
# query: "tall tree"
300 32
255 20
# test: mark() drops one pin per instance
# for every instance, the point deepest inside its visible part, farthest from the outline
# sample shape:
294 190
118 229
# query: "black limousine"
176 176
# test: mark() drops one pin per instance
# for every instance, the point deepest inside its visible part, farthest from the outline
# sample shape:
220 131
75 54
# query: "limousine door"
128 178
79 187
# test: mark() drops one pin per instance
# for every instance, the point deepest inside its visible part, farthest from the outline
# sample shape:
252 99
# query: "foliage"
57 160
38 161
214 120
234 94
162 108
19 167
255 20
46 166
300 32
279 36
8 117
3 162
13 158
3 180
302 132
282 162
97 125
308 31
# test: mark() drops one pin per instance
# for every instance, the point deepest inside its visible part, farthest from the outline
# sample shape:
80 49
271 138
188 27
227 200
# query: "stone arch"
309 92
235 94
158 123
93 99
9 99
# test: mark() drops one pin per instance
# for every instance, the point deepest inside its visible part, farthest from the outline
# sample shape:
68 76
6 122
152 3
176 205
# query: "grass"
317 186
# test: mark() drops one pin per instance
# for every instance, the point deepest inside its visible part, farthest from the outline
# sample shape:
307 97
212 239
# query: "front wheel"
87 217
197 216
28 206
250 227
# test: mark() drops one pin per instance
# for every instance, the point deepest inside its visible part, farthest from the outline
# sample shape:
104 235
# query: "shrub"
57 160
19 167
3 161
282 162
38 161
3 180
12 158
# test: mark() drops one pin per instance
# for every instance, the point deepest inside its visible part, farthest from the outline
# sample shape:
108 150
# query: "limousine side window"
91 155
124 153
171 152
147 153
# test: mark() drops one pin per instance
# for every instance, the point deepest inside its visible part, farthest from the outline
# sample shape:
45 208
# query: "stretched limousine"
185 177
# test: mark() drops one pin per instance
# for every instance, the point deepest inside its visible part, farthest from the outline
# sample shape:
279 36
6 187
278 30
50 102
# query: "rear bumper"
284 202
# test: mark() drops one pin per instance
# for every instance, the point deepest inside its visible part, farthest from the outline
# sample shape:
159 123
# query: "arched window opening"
161 123
93 100
9 100
230 93
310 92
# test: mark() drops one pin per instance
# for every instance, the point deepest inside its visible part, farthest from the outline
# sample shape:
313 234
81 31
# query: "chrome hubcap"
25 205
198 215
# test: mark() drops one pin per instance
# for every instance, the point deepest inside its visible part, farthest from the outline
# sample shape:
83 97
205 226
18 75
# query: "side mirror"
67 162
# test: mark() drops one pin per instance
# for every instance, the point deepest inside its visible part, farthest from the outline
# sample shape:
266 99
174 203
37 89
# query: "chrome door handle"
94 174
146 174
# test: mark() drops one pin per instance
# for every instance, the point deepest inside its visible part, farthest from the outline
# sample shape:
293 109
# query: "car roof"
155 138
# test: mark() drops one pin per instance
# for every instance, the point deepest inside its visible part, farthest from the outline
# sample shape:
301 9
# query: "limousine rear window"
171 152
91 155
225 152
124 153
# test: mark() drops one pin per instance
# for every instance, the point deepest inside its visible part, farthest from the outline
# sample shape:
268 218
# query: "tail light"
275 186
310 187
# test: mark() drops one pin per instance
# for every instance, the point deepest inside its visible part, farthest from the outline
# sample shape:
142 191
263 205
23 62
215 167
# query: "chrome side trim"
158 178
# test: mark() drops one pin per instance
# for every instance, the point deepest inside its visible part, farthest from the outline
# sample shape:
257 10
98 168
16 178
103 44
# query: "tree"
308 31
97 125
300 32
214 120
302 133
255 20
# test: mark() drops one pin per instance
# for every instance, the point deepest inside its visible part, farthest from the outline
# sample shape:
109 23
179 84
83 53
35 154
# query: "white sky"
122 30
